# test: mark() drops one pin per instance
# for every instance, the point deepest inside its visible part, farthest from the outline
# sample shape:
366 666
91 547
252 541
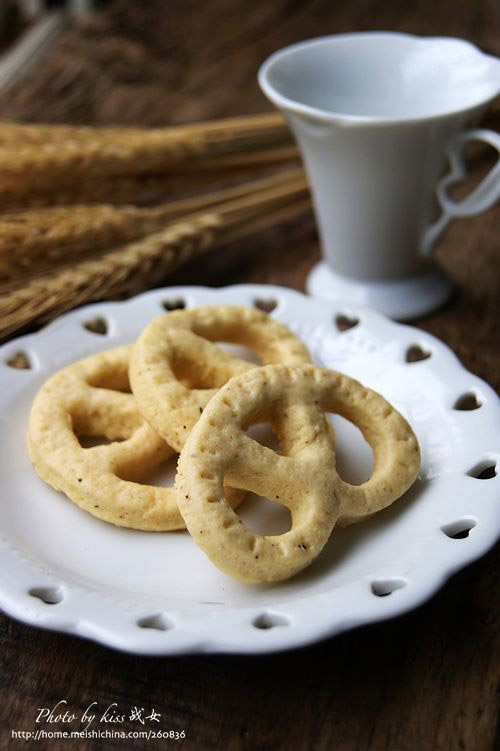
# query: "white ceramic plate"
154 593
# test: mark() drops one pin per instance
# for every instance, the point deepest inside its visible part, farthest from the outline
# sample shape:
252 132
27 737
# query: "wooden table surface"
426 681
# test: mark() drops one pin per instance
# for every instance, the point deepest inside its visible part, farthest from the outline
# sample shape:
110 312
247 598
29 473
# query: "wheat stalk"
35 239
138 265
117 190
261 125
93 152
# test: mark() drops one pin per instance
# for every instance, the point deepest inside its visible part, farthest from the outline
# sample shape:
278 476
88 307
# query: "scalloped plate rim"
247 640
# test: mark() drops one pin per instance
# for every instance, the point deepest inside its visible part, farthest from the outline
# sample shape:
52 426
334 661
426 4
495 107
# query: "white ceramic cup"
376 116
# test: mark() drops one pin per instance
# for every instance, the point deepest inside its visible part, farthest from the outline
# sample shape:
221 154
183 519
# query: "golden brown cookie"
92 399
176 367
303 477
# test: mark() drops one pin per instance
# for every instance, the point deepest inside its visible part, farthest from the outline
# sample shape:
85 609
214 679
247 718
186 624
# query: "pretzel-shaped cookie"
90 399
176 368
303 477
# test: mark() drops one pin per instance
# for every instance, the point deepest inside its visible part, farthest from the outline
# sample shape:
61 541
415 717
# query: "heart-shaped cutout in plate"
416 353
344 322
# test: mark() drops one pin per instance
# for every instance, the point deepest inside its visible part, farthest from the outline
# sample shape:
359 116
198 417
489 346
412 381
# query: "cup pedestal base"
401 299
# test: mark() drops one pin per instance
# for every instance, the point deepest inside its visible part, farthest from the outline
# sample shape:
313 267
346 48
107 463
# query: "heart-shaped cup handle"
485 195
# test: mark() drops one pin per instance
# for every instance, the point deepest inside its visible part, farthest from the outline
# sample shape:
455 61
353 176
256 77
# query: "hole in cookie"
204 373
485 470
416 353
264 434
48 595
113 380
460 529
241 352
19 360
264 517
354 455
268 620
265 304
90 441
344 322
385 587
162 475
157 622
97 325
467 402
174 304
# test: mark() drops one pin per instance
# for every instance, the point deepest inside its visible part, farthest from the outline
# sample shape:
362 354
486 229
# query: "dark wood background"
427 681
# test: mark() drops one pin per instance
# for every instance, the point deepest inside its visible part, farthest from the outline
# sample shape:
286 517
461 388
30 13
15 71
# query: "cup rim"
294 106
